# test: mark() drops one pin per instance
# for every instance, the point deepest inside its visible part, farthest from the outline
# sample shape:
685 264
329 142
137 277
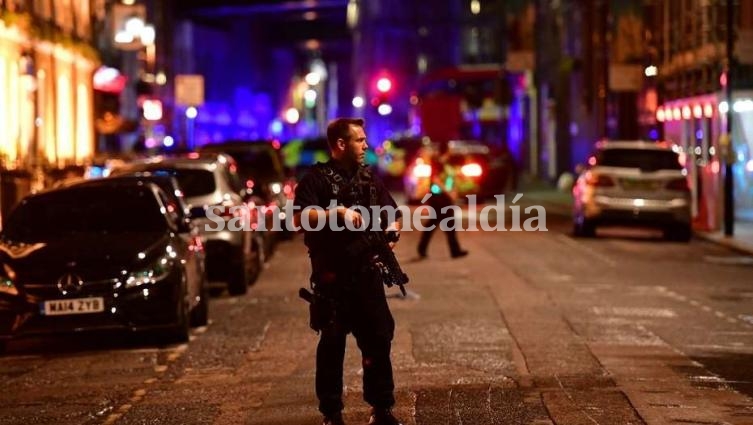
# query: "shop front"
696 126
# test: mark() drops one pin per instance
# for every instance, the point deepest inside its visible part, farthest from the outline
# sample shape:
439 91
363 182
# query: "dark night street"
531 328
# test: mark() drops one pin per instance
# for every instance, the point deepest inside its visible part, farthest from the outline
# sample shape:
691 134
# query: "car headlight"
7 276
7 286
151 274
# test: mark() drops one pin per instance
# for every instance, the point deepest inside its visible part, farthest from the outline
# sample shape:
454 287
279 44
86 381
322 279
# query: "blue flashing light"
276 127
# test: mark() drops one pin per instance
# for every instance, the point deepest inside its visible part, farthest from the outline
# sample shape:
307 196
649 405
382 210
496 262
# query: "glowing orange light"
682 158
422 170
697 111
708 110
471 170
660 115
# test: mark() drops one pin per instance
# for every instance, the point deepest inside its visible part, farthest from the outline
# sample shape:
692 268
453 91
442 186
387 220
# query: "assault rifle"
373 247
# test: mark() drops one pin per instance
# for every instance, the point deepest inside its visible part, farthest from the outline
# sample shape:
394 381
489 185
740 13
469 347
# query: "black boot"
383 417
459 254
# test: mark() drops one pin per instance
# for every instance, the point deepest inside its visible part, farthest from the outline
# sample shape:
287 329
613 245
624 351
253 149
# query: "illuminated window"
65 139
4 134
83 135
64 14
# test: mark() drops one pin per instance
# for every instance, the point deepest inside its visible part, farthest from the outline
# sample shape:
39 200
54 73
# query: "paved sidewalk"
559 202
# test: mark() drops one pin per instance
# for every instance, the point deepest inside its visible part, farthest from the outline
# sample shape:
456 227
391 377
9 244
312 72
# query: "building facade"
46 66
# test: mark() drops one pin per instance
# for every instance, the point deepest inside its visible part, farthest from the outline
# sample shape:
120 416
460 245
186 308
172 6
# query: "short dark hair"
339 128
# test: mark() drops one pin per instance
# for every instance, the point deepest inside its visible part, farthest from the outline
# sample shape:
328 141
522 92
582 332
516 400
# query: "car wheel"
182 329
679 233
200 313
257 260
238 281
584 229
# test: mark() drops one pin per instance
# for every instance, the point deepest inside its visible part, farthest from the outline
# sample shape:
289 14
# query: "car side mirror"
197 212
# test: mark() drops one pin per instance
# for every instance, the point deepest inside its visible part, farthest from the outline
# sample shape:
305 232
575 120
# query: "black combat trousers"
437 202
361 308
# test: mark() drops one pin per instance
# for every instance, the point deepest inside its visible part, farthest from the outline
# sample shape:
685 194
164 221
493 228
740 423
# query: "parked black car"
210 183
102 255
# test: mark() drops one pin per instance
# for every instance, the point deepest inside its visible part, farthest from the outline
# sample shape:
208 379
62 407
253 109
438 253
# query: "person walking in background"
442 195
349 296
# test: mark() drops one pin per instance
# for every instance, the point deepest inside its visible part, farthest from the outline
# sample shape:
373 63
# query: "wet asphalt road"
530 328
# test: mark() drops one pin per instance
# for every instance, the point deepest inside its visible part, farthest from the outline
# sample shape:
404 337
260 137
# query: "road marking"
746 319
112 418
634 311
567 240
729 261
716 347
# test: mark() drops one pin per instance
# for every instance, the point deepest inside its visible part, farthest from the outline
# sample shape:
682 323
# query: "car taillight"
471 170
196 244
599 180
288 189
680 185
422 170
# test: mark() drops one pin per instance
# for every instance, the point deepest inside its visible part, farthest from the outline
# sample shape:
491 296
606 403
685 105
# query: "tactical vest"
360 190
325 246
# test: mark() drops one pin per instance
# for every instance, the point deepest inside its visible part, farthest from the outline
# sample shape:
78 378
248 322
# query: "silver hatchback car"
633 182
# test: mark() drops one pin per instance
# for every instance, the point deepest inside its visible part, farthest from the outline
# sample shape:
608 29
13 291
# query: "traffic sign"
189 89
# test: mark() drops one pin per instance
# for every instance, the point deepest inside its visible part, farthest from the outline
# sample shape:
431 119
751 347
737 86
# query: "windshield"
86 210
193 182
645 159
257 161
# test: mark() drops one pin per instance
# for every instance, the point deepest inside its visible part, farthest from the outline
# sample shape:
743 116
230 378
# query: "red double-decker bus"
465 102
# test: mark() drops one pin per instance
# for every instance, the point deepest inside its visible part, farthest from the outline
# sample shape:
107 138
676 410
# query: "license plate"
73 306
639 184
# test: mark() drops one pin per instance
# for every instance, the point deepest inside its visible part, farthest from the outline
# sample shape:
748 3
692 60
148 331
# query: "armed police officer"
348 271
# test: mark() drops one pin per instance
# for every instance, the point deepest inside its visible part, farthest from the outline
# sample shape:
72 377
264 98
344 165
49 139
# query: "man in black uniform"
349 296
439 200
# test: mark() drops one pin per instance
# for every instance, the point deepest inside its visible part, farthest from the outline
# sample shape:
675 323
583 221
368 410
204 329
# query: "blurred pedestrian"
443 196
348 293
